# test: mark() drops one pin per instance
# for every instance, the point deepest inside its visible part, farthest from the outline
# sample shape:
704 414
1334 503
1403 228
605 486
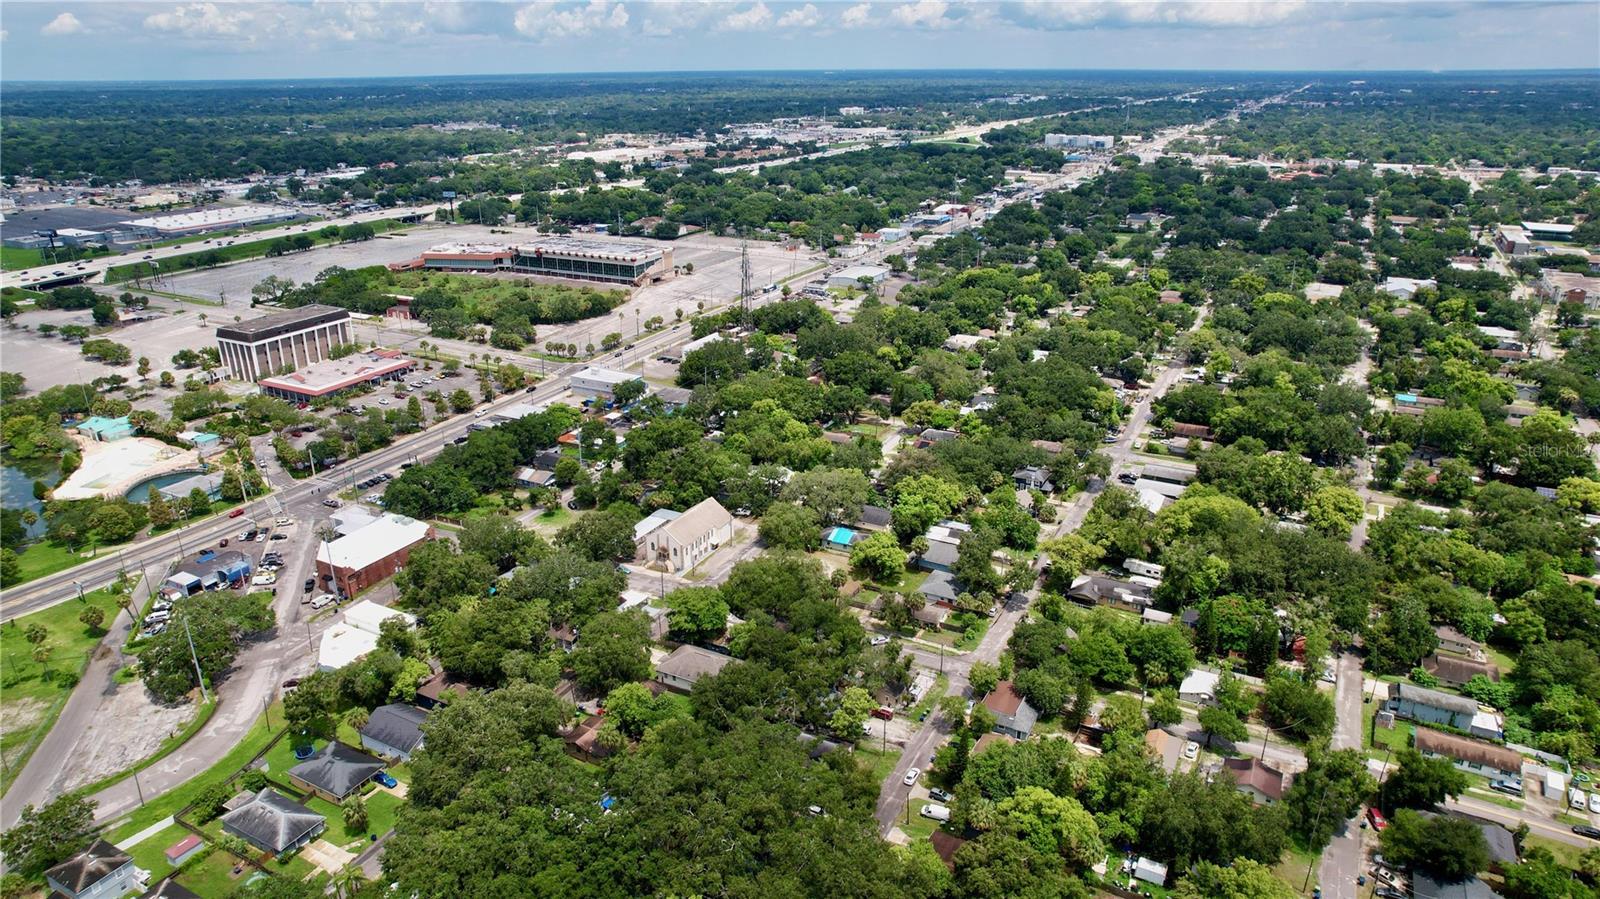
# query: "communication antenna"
744 275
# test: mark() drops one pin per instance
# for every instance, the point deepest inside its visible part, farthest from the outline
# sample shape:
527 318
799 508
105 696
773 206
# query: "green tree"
697 613
92 617
1421 782
1334 511
855 704
787 526
1329 792
1449 849
354 811
1053 824
983 676
1239 879
602 536
879 557
614 648
46 836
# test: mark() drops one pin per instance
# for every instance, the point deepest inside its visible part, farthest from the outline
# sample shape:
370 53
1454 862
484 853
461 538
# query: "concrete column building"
290 339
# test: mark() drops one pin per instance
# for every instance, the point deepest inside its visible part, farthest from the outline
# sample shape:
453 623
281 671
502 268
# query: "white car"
1191 750
263 580
1594 803
911 776
936 812
323 601
383 401
880 641
282 520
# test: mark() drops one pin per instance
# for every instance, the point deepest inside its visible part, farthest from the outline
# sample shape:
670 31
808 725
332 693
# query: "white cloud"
62 25
205 20
1054 15
803 17
858 16
753 18
922 14
547 20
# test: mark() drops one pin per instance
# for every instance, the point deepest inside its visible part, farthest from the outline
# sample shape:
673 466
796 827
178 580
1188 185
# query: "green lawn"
382 807
941 686
150 852
213 876
481 296
35 693
171 802
225 254
42 558
880 763
1294 867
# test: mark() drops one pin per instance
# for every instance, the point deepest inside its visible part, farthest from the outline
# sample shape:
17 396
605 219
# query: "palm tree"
347 881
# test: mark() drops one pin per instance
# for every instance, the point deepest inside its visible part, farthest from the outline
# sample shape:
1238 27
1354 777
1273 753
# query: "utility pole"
205 694
744 276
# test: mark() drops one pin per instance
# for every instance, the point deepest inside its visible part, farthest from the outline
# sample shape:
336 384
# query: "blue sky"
107 39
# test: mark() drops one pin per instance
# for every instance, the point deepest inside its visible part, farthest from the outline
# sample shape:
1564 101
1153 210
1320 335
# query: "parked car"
883 712
938 795
291 683
911 776
311 584
1388 893
223 543
1584 830
1377 820
1191 750
331 503
323 601
280 536
1509 787
880 640
939 813
385 778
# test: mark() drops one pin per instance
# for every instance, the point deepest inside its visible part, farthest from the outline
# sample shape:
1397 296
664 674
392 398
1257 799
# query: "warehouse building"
578 258
597 381
264 346
369 554
204 220
335 375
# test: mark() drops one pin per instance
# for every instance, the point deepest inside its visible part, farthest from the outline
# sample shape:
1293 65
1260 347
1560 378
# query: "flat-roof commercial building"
597 381
583 259
366 556
203 220
264 346
334 375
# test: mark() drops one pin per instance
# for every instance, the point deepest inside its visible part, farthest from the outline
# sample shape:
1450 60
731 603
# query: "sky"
224 39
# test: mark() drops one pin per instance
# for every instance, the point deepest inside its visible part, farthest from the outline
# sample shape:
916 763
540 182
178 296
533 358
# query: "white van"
937 812
1577 799
323 601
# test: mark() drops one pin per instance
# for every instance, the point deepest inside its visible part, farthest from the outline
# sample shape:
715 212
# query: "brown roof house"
1013 716
679 544
687 664
1253 778
1455 670
1474 756
102 870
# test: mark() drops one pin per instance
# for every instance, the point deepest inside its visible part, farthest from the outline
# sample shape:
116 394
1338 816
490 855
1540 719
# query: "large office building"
335 375
579 258
264 346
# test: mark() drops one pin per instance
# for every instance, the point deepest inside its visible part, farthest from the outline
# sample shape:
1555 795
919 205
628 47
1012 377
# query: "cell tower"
744 276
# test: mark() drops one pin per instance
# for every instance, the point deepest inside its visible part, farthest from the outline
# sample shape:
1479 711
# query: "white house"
102 870
1406 288
681 543
1200 687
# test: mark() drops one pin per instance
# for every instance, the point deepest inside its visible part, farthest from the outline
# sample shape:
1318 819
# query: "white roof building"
372 543
652 521
1199 686
356 635
595 380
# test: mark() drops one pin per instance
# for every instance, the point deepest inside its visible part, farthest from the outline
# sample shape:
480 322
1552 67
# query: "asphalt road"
1342 860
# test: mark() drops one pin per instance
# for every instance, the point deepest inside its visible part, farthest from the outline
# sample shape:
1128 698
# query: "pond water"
16 488
140 492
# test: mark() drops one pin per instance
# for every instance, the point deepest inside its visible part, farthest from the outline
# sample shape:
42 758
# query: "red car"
883 712
235 513
1379 822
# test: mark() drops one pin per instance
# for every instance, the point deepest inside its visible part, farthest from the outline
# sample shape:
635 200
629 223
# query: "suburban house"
1033 477
434 689
1425 887
535 477
944 542
1454 641
357 634
875 518
1448 709
1165 747
681 543
1199 687
366 556
273 822
1455 670
1101 590
102 870
1253 778
1013 717
394 731
1474 756
931 616
335 771
687 665
940 587
170 889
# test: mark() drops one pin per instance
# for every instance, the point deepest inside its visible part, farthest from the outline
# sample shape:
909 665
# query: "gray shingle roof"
397 724
1436 699
273 820
89 867
337 769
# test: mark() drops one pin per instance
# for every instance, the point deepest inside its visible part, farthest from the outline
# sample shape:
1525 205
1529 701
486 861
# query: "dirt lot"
129 726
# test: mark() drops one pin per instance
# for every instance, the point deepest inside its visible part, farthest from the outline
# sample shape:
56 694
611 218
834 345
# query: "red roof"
1003 699
176 850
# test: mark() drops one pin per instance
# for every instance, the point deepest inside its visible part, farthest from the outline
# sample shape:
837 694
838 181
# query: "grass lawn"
42 558
941 686
558 517
150 852
880 763
1294 866
172 801
213 876
481 296
1565 853
1396 738
213 256
381 810
35 693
